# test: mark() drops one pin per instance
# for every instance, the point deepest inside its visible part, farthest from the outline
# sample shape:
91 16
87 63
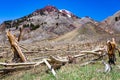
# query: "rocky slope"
51 23
111 24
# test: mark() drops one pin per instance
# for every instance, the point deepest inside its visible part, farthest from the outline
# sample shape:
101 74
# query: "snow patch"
68 13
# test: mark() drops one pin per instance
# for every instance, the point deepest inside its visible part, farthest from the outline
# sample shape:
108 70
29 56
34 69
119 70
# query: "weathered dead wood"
53 60
15 47
79 55
12 69
91 52
99 49
100 57
63 60
50 67
107 67
20 35
93 60
58 60
20 64
97 52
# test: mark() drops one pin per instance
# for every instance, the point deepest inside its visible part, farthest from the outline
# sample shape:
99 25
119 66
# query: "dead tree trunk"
20 35
18 55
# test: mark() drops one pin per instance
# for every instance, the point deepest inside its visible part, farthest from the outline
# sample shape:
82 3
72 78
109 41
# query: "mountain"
50 23
112 23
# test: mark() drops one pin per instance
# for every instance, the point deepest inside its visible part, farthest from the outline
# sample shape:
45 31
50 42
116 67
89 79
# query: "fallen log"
20 64
58 60
93 60
79 55
12 69
91 52
63 59
99 49
53 60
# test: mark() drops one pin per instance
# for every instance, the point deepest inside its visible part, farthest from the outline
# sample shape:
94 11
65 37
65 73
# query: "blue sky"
97 9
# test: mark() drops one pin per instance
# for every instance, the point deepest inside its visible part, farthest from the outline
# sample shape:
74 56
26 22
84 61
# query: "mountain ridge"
50 22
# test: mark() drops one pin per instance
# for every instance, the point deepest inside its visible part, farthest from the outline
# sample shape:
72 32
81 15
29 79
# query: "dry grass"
67 72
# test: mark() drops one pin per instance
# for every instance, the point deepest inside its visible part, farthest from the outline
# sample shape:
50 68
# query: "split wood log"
15 47
50 67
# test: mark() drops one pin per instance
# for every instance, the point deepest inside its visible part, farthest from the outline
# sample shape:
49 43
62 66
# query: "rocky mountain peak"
48 9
